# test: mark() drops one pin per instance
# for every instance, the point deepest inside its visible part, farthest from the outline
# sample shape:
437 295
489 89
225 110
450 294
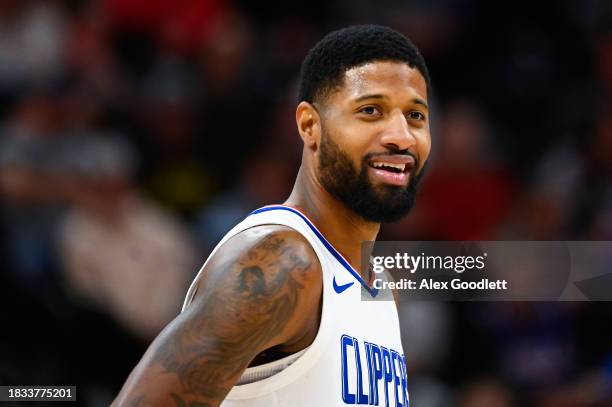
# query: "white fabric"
356 357
257 373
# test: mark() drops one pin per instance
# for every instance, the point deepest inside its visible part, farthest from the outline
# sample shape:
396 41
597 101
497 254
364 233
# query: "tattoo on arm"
254 299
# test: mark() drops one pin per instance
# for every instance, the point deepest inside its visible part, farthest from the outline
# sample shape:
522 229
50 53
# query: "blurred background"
135 133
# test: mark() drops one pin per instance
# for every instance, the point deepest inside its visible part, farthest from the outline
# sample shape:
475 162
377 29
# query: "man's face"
375 140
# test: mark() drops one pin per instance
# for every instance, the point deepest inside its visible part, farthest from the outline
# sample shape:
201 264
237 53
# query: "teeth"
400 167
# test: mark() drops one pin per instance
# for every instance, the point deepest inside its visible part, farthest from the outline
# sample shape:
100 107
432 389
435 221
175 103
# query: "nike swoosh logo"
340 288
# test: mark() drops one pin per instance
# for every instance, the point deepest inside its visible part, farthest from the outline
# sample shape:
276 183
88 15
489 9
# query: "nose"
397 134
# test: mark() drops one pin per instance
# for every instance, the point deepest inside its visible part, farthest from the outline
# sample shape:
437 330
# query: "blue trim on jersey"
373 291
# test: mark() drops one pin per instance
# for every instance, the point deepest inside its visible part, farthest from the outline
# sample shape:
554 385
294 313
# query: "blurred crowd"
135 133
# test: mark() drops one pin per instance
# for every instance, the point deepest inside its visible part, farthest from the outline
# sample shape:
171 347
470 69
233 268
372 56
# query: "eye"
416 115
370 110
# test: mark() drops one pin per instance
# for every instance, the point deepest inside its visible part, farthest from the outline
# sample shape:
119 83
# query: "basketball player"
276 317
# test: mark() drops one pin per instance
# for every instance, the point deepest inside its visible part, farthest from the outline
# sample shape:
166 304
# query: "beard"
374 203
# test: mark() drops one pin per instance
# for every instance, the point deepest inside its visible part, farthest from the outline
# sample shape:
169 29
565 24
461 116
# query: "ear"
309 124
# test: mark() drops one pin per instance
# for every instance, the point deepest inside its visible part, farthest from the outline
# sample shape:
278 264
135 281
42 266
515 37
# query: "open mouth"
391 167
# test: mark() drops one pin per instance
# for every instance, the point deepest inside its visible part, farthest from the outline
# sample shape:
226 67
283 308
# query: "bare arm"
246 303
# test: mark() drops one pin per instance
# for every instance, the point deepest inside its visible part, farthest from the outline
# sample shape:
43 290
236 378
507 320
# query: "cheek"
351 141
424 147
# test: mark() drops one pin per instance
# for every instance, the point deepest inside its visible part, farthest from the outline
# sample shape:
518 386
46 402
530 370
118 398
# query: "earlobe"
308 124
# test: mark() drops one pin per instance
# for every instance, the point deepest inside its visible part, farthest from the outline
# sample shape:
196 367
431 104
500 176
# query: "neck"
342 227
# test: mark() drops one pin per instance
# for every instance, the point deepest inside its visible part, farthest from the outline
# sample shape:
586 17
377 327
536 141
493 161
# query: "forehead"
393 79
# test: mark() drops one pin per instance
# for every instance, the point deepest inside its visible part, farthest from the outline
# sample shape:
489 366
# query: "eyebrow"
371 96
421 102
417 101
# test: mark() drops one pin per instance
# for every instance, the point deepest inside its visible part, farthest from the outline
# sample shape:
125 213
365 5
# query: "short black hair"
325 64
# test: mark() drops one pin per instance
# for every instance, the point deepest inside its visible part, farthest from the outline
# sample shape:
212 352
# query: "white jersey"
356 356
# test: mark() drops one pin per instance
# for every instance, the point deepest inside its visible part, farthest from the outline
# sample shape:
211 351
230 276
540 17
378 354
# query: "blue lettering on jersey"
361 398
397 366
386 373
345 342
377 372
367 366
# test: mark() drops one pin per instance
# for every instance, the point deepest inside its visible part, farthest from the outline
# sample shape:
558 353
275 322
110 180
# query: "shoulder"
274 237
265 274
271 249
